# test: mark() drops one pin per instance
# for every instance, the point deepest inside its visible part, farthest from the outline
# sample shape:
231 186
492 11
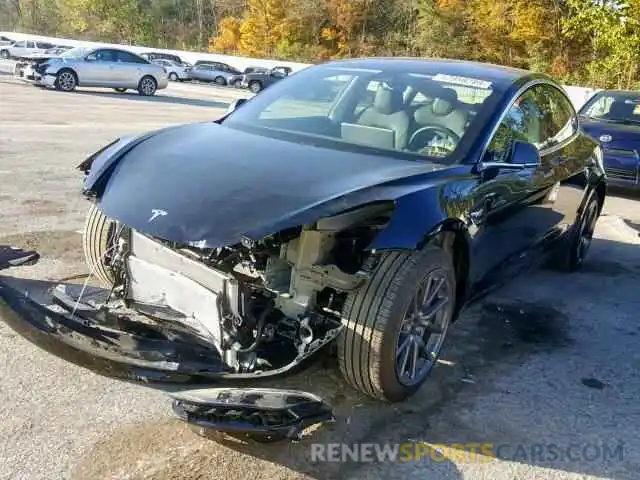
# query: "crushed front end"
191 315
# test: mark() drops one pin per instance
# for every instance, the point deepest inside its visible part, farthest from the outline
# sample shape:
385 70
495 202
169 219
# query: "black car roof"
499 75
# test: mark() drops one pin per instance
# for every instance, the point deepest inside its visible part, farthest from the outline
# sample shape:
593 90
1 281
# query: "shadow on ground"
495 337
160 97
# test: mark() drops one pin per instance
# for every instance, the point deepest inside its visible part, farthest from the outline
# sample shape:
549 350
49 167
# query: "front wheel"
66 80
395 326
220 81
173 76
147 86
99 241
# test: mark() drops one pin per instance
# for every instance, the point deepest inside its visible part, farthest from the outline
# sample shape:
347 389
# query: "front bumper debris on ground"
111 344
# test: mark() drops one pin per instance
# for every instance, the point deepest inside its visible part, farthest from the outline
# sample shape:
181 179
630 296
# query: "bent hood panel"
212 184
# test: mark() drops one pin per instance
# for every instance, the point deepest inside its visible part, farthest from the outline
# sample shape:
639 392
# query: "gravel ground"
549 359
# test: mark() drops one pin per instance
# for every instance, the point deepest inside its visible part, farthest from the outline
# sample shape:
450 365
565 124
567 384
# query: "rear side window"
127 57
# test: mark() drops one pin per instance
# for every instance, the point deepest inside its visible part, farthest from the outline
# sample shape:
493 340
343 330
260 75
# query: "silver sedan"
219 73
174 70
99 67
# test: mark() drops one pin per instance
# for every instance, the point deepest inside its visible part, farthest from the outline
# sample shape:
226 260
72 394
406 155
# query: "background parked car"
151 56
613 118
24 48
4 40
256 81
175 70
219 73
236 80
101 67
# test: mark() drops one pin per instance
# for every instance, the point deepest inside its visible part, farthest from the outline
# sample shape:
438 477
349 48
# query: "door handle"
479 213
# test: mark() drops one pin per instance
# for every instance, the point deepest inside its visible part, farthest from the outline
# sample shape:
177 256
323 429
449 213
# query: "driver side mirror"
233 106
525 155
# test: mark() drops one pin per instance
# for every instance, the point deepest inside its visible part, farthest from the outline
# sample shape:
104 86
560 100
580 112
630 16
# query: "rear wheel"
66 80
147 86
99 242
571 254
396 325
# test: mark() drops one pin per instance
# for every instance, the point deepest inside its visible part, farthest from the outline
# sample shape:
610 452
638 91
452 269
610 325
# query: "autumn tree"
228 38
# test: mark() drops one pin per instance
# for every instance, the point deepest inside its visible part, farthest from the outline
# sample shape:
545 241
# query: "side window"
542 116
104 56
20 44
558 119
127 57
522 123
31 44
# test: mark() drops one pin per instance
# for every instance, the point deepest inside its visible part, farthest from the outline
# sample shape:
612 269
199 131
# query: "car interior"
412 114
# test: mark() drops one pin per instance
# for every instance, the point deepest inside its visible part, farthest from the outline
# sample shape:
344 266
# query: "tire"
237 83
147 86
120 90
173 76
374 315
97 240
570 255
4 53
66 80
255 86
220 81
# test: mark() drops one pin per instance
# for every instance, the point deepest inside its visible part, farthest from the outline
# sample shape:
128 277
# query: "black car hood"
209 184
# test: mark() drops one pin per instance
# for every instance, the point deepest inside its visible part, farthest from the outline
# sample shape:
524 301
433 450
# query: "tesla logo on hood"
155 213
605 138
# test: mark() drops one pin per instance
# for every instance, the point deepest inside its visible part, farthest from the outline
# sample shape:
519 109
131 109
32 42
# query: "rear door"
130 69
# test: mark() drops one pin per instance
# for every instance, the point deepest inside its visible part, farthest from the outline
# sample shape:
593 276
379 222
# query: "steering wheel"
436 130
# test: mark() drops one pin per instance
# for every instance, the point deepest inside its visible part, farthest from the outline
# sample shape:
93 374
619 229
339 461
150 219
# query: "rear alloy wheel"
396 325
220 81
99 243
173 76
255 86
571 254
66 81
120 90
147 86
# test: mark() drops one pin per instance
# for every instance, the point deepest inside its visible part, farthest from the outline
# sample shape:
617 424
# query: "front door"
512 209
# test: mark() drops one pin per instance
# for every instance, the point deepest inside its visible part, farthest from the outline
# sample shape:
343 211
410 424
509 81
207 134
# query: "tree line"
584 42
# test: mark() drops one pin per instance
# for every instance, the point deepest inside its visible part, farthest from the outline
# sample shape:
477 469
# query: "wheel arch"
419 220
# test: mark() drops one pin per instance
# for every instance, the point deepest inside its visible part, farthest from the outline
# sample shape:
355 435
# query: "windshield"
615 107
76 52
414 114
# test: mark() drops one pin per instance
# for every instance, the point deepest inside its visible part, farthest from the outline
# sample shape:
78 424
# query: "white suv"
24 48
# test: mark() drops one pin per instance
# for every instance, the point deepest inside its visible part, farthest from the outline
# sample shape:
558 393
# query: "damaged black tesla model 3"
357 205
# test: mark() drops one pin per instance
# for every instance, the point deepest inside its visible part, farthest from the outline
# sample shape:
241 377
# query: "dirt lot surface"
548 360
